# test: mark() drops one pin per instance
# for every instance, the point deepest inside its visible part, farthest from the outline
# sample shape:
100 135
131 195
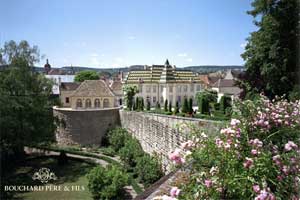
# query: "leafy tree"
25 103
185 105
148 105
272 51
130 152
23 50
117 138
170 106
129 91
204 99
176 110
107 183
86 75
166 106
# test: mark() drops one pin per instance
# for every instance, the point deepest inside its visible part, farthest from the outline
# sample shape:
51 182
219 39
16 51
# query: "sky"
119 33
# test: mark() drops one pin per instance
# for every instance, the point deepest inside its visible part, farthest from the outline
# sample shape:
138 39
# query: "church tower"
47 66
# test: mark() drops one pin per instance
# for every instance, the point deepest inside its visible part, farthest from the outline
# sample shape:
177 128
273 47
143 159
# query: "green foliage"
204 98
148 169
107 183
129 91
185 105
86 75
176 110
170 106
117 138
166 105
225 102
130 152
157 107
295 93
25 104
23 50
148 105
142 104
272 51
190 108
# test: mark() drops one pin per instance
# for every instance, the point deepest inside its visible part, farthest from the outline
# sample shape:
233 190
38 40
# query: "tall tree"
129 91
86 75
12 50
25 104
272 52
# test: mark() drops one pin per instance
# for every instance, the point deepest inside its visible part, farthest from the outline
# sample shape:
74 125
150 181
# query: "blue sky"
113 33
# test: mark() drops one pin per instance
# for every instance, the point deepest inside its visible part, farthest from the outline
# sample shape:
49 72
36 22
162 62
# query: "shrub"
107 183
117 138
190 108
166 106
142 104
185 106
148 105
170 106
157 107
109 151
256 156
176 110
130 152
204 98
225 102
148 169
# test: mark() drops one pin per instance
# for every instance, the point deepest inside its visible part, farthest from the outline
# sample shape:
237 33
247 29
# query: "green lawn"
71 174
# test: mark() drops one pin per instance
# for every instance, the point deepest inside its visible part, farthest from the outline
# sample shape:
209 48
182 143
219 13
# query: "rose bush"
257 156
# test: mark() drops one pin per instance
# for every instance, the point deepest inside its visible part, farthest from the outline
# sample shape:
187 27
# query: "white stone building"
157 83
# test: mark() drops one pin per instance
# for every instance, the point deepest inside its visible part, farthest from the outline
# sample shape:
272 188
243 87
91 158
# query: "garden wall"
85 127
160 134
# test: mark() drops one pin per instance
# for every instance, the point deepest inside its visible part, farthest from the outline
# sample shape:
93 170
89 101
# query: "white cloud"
189 59
95 61
94 55
182 55
243 45
131 37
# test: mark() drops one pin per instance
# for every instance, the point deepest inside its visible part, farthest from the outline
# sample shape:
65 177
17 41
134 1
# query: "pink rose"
208 183
256 188
248 163
174 192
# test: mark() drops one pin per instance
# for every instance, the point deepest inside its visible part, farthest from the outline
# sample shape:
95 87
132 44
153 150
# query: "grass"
71 174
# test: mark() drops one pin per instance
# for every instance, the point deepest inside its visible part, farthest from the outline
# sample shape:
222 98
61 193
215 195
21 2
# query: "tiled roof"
224 83
93 88
69 86
116 85
161 73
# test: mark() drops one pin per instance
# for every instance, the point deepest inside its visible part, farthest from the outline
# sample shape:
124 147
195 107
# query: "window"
67 100
178 88
192 88
171 98
161 88
105 103
78 103
161 99
154 99
88 103
154 88
97 103
148 89
185 88
179 99
170 88
198 87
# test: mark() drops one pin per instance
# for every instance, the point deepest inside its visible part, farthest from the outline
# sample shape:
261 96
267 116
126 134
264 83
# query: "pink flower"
235 122
174 192
256 188
254 152
290 145
248 163
176 157
208 183
219 142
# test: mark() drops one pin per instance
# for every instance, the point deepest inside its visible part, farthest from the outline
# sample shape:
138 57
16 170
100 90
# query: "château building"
158 83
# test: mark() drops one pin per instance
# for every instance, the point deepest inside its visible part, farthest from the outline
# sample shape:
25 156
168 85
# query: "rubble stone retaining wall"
84 127
160 134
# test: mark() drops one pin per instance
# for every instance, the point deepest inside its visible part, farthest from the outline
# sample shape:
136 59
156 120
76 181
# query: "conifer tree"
166 105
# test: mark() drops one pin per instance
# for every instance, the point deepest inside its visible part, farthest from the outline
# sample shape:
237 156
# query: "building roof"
224 83
69 86
116 85
161 74
93 88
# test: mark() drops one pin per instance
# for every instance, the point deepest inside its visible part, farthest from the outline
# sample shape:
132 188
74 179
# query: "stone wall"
160 134
84 127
